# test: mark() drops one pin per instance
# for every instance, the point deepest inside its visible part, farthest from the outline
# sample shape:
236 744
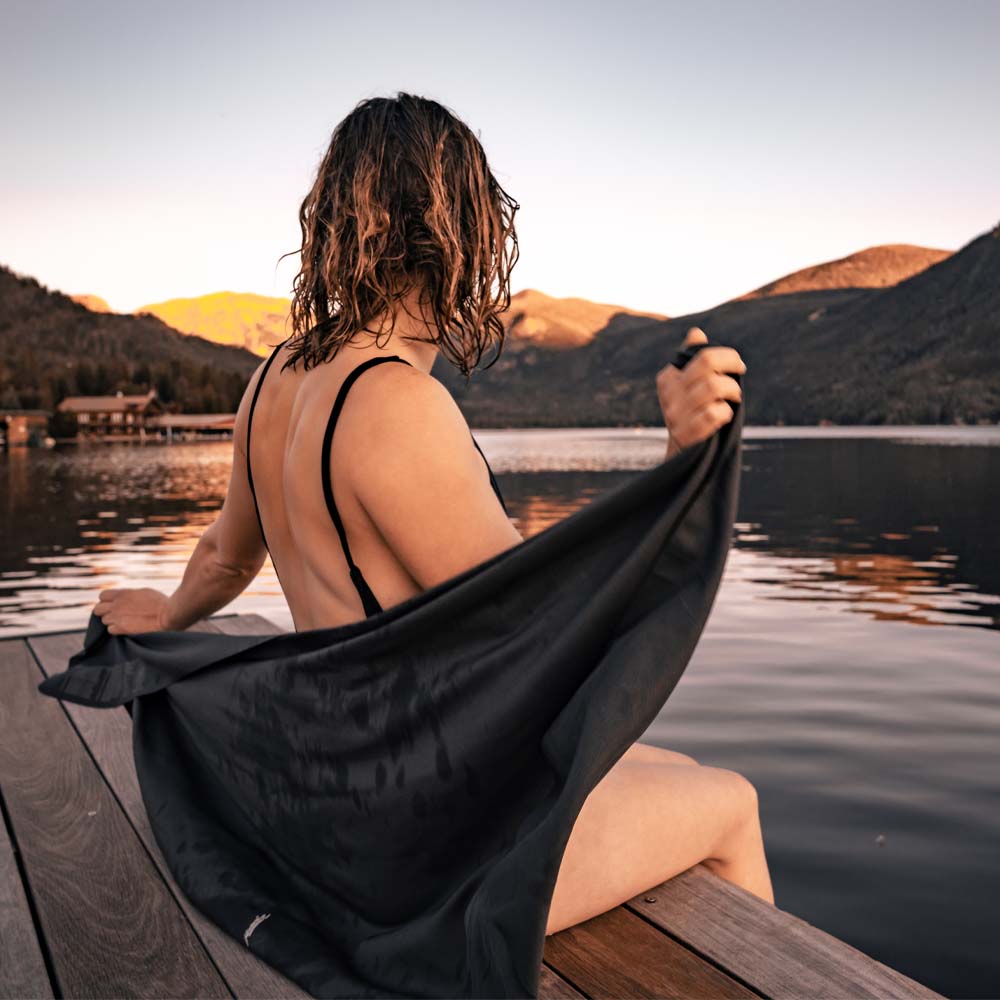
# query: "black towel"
380 809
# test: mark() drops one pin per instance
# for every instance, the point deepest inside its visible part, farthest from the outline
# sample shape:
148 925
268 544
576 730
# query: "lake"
850 667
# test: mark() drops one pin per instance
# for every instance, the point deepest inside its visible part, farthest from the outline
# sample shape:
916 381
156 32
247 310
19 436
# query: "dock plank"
109 923
22 967
552 986
774 951
618 954
108 735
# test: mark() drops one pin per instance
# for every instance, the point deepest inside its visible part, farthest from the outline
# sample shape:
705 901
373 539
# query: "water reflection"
873 744
894 530
903 529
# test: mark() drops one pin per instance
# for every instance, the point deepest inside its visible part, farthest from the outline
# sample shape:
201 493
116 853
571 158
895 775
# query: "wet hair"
403 199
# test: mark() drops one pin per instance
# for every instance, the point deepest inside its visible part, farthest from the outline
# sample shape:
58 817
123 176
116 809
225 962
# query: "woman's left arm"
228 556
226 559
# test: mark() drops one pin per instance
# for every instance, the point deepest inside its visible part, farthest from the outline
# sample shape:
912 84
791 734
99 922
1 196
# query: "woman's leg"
655 814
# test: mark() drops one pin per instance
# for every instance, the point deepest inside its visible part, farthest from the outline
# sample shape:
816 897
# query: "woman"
407 246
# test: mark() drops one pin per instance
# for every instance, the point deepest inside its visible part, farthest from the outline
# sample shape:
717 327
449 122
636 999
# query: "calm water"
851 666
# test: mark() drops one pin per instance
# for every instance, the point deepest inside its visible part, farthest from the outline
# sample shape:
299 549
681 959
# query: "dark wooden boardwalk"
89 909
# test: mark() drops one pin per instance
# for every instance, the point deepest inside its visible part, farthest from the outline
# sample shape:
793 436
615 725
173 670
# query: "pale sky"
667 156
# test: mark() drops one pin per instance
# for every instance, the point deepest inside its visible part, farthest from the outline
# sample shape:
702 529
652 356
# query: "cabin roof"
106 404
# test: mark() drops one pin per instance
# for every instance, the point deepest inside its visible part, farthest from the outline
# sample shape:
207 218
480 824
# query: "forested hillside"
52 347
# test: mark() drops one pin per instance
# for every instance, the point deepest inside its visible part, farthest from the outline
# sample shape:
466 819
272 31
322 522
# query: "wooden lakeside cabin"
89 909
138 418
117 416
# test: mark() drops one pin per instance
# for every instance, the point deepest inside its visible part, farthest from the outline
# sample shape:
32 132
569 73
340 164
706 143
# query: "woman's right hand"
695 399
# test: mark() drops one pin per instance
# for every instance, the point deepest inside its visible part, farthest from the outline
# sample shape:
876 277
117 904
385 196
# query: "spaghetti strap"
493 479
253 406
369 601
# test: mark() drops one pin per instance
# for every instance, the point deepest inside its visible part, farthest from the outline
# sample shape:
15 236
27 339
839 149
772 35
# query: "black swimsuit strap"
493 480
253 406
368 599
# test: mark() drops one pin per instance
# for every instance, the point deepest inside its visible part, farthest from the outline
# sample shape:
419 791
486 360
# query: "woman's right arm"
417 473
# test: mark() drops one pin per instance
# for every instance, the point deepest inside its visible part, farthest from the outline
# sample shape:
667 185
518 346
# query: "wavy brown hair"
403 198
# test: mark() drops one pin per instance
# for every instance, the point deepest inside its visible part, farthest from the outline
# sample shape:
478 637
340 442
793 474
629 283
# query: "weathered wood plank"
618 954
552 986
109 923
22 967
774 951
108 734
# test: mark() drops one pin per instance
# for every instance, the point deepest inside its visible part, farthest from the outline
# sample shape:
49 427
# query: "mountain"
876 267
538 320
52 347
240 319
547 359
926 350
258 323
92 302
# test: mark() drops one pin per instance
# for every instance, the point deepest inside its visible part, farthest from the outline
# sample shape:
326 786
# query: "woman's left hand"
130 610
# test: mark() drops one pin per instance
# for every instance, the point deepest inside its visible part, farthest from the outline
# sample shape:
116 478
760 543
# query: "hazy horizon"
667 159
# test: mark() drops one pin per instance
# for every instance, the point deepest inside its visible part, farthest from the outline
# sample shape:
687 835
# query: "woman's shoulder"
404 427
401 402
413 465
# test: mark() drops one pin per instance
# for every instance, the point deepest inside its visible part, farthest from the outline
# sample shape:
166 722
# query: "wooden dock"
89 909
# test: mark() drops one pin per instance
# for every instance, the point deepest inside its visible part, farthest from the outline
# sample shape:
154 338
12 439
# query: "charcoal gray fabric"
382 807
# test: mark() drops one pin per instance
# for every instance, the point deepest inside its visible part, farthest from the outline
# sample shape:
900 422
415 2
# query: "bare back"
288 417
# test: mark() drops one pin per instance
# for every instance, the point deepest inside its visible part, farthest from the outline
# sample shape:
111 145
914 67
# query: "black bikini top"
368 599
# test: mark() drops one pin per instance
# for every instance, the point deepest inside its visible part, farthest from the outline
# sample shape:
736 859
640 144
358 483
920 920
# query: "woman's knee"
740 794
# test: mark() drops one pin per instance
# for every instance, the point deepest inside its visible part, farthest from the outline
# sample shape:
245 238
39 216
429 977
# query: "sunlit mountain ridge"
893 334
